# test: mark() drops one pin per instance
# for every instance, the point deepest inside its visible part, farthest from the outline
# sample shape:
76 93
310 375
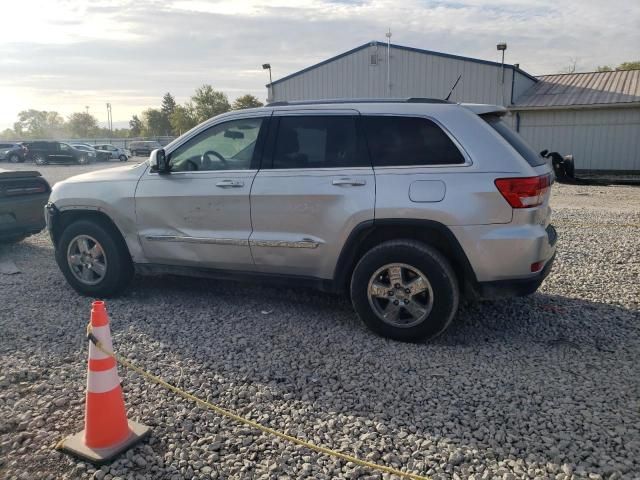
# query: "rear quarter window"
515 140
409 141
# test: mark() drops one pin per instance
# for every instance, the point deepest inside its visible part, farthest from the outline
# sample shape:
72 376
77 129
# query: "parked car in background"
114 152
23 196
407 206
12 152
94 154
44 152
144 148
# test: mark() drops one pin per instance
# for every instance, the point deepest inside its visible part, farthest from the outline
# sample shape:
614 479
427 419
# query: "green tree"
39 124
604 68
8 134
154 122
135 126
629 66
246 101
81 124
208 103
183 118
167 108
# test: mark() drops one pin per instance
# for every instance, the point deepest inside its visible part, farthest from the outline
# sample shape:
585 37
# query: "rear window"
529 154
408 141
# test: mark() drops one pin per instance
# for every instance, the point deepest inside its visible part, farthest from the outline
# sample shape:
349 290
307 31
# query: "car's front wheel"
123 158
83 160
405 290
14 158
94 259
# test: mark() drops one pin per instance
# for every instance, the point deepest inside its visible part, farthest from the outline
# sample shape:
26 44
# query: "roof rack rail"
357 100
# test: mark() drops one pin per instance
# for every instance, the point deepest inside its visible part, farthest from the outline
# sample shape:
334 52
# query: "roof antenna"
454 87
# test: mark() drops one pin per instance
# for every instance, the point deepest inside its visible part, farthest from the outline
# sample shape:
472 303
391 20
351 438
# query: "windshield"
515 140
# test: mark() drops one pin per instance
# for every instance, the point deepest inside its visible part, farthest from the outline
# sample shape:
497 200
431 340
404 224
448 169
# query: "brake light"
524 192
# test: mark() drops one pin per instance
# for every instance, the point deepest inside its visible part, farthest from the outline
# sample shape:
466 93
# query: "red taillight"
524 192
536 267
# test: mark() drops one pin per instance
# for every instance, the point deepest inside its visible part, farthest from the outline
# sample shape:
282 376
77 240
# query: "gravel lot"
541 387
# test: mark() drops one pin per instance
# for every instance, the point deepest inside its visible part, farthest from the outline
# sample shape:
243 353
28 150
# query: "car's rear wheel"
94 259
123 158
14 158
40 159
83 160
405 290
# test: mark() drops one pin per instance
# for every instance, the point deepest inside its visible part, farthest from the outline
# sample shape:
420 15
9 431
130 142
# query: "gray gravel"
541 387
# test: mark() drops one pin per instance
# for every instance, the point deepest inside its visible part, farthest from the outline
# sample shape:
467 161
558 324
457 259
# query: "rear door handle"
228 183
354 182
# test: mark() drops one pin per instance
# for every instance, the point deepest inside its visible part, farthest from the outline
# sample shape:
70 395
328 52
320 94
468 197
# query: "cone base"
74 445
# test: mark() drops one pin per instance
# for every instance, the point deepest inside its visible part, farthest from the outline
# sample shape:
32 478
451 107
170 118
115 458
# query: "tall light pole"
388 35
267 66
87 108
109 120
502 47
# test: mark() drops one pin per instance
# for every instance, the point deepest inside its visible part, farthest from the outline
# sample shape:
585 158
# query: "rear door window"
396 141
516 141
322 141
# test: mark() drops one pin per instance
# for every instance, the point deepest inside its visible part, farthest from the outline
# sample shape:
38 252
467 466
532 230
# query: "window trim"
467 158
270 144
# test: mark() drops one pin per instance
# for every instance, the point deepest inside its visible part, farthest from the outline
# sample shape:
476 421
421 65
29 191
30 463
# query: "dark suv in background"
42 153
145 148
12 152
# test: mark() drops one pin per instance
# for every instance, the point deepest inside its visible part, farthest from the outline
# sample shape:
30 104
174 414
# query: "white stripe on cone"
103 334
102 382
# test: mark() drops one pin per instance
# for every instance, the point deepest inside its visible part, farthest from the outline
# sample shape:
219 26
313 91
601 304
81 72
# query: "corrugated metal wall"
599 139
413 74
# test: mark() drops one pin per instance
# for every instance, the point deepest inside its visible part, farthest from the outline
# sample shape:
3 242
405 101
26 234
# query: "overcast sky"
64 55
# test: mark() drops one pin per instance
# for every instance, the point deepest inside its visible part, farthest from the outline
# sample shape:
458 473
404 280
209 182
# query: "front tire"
94 259
83 160
405 290
14 158
123 158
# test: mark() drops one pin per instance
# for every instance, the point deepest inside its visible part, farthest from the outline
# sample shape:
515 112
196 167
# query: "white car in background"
121 154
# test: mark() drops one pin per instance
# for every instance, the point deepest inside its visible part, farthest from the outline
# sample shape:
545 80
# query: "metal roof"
402 47
582 89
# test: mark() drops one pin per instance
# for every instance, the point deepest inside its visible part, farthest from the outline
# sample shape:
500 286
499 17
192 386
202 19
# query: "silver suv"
407 205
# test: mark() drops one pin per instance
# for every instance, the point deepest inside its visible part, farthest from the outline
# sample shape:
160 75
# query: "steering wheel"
207 162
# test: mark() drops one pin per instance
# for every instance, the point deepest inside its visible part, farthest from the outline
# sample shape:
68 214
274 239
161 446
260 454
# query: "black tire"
425 259
122 158
40 159
83 160
119 270
14 158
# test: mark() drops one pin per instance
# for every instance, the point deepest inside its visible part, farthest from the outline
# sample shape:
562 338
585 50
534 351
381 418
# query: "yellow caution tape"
221 411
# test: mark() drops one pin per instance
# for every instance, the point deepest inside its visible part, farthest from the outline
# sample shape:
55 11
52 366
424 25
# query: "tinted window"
317 142
226 146
400 141
516 141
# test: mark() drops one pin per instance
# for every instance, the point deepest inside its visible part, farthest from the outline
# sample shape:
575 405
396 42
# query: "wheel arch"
368 234
62 219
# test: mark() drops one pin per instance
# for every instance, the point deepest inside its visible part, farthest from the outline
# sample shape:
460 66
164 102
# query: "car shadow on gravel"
545 378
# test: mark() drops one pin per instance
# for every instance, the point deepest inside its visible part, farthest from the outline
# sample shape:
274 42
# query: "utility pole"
388 35
109 120
267 66
87 108
502 47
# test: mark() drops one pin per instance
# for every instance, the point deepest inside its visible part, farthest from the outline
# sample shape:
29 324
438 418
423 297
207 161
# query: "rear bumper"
22 216
518 287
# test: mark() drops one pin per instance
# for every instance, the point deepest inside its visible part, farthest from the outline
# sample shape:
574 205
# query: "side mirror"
158 161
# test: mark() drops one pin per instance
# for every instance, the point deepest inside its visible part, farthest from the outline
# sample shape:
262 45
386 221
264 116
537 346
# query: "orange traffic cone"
107 432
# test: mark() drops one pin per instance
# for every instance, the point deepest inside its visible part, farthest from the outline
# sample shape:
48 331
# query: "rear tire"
405 290
111 253
14 158
123 158
40 159
83 160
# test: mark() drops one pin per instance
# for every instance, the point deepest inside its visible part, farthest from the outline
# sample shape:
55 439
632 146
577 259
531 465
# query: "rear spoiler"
13 174
484 109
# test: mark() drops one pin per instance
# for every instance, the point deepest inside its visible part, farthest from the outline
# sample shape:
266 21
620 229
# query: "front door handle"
354 182
228 183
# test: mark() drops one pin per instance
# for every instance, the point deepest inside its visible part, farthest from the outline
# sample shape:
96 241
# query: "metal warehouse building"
594 116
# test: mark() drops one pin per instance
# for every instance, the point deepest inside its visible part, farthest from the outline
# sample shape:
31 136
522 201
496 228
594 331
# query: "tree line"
170 119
